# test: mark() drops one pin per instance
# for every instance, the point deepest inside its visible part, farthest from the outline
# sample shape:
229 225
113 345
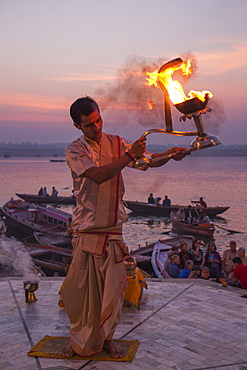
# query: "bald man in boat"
93 288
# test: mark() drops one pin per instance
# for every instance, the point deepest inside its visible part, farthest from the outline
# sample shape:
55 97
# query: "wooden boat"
52 240
181 227
143 208
52 260
57 160
22 222
41 199
151 258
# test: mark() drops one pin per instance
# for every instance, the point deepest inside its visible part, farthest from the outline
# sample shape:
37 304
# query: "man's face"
233 247
92 126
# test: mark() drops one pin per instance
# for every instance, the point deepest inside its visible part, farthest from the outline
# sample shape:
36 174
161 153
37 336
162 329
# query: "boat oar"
228 230
67 187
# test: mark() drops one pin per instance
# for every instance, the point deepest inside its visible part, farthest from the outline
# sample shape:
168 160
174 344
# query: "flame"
173 87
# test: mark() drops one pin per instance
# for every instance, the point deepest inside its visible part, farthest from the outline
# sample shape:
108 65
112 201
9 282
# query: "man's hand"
177 153
138 148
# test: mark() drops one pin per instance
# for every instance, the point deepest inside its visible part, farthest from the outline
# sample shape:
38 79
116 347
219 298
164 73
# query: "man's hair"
188 263
174 257
236 260
82 106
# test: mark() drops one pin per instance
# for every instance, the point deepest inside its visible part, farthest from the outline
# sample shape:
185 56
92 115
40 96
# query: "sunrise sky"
54 51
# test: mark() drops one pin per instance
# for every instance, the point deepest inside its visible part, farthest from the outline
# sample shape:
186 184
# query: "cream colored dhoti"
93 295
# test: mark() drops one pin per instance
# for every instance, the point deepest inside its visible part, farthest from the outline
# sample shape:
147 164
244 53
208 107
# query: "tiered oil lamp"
192 107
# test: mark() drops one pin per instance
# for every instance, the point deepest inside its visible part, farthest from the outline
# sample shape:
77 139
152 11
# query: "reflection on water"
221 181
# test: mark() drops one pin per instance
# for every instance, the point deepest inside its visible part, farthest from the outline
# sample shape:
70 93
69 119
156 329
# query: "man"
227 257
93 288
184 255
173 268
201 203
166 201
184 274
151 199
54 192
239 273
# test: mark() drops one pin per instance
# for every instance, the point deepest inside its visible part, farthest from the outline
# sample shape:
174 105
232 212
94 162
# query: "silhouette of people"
166 201
54 192
40 192
151 199
45 192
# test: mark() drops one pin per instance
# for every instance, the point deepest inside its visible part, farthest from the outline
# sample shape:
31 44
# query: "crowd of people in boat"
228 269
43 192
156 201
184 215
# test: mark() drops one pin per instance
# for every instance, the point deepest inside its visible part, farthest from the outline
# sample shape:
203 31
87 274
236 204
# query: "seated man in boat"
173 268
184 274
206 219
54 192
151 200
180 215
45 194
93 288
166 202
188 214
40 193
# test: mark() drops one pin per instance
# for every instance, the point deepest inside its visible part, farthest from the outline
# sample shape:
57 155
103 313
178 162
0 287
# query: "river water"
221 181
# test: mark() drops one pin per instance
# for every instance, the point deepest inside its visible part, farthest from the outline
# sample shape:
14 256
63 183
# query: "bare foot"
114 350
68 351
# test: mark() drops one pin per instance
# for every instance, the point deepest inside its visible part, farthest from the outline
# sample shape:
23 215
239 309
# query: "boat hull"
184 228
143 208
22 223
39 199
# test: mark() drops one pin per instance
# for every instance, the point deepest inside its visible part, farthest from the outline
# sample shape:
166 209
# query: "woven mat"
52 347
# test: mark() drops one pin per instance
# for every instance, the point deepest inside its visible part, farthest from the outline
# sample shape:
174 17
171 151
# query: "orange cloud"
34 101
71 77
229 60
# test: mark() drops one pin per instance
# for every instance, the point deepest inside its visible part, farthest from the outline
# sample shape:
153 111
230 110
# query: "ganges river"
221 181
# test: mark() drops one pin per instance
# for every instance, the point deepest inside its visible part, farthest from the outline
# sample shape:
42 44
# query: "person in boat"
180 215
54 192
227 257
188 214
168 261
45 194
197 254
213 260
241 254
40 193
93 288
166 202
239 273
201 203
151 199
205 219
205 273
157 201
173 269
184 255
195 272
184 273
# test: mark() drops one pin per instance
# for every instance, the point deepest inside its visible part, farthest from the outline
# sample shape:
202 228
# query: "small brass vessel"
130 266
30 288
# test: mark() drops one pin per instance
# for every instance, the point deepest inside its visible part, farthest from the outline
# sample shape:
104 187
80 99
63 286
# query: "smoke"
128 100
15 259
128 97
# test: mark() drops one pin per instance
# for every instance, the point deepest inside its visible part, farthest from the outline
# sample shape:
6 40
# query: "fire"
163 78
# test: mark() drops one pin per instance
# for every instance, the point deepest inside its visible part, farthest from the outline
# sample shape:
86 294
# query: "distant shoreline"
58 150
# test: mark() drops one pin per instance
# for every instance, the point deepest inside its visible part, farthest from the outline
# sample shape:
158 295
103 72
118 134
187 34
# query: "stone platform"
182 324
